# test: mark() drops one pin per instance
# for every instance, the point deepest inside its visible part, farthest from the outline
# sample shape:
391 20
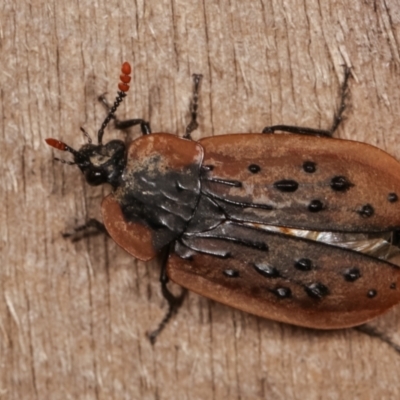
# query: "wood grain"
73 316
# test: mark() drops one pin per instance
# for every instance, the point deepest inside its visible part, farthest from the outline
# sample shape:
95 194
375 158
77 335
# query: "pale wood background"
73 317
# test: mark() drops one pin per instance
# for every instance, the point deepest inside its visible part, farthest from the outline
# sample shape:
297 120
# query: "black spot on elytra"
303 264
257 245
207 168
393 286
282 292
372 293
340 184
366 211
286 185
315 206
309 167
352 274
317 290
254 168
392 197
231 273
266 270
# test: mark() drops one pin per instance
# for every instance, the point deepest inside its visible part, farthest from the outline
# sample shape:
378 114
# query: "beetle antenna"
123 88
57 144
87 136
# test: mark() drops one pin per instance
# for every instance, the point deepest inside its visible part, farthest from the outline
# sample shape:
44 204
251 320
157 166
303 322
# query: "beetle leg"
376 333
92 227
194 105
337 119
174 302
144 125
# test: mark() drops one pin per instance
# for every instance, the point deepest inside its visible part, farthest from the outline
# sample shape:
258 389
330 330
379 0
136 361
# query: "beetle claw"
174 303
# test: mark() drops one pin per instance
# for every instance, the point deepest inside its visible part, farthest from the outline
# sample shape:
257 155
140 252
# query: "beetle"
294 227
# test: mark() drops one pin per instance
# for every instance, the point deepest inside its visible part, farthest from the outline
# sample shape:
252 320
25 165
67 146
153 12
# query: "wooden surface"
73 316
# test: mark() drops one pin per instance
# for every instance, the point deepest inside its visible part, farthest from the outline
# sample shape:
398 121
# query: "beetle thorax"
159 189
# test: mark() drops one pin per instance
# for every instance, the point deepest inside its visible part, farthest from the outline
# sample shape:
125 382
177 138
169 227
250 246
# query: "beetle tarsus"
376 333
337 119
194 105
92 227
299 130
144 125
174 302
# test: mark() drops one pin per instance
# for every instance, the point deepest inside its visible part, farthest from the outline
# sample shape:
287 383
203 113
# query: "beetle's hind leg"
337 119
92 227
121 125
174 302
194 106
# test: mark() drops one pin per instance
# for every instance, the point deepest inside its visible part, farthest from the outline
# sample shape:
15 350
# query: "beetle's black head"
101 163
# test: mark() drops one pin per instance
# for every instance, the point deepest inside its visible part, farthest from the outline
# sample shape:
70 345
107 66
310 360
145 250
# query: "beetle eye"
95 176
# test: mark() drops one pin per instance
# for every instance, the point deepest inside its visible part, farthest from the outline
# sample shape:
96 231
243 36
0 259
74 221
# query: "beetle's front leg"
121 125
194 105
174 302
92 227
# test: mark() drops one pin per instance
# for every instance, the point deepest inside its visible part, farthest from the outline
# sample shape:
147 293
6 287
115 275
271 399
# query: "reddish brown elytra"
295 228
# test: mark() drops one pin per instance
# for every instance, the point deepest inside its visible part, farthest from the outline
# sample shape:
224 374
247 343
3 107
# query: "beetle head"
101 163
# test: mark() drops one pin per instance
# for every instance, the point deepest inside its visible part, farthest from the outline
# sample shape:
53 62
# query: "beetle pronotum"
287 227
